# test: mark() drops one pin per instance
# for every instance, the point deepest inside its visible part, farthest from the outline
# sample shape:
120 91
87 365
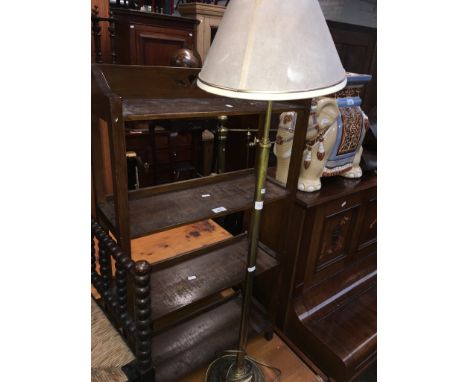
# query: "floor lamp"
269 50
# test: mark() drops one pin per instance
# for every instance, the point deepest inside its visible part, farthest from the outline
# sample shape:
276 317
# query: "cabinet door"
331 241
155 45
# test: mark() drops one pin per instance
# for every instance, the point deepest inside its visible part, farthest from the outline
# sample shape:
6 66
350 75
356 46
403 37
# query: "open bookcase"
175 314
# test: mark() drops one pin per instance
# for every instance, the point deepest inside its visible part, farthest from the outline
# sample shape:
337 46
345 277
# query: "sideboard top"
336 187
148 18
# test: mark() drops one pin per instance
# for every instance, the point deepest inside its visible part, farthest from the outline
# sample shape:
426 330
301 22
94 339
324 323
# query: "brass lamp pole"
235 367
266 50
263 154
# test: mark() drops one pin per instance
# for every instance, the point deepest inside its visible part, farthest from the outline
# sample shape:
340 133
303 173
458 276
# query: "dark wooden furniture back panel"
150 82
355 45
156 45
144 38
357 48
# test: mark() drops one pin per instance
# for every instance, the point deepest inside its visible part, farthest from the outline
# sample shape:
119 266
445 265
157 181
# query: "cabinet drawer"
161 157
183 139
342 204
182 154
161 140
179 154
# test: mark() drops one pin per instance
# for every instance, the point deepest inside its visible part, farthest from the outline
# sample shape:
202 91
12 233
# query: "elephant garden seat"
337 126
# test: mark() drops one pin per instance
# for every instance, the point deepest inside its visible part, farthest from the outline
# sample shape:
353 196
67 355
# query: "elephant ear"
327 112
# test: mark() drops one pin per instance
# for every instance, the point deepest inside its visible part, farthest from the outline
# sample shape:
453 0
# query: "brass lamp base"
224 369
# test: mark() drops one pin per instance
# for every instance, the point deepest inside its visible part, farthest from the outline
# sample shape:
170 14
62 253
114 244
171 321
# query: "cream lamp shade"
272 50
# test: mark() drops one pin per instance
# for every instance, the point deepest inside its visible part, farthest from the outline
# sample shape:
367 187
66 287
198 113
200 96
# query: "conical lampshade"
272 50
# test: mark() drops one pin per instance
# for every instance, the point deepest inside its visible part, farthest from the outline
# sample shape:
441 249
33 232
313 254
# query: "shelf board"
215 268
164 245
139 109
191 344
165 207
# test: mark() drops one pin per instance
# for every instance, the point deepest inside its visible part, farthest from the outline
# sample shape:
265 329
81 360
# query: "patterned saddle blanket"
352 127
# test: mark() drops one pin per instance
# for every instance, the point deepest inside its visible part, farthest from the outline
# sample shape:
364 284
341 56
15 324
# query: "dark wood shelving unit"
123 93
173 313
330 310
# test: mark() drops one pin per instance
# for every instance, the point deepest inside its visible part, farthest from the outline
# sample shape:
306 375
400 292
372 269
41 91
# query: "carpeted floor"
108 351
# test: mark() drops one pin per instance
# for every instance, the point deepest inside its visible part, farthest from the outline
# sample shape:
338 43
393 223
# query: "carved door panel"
156 45
331 242
336 236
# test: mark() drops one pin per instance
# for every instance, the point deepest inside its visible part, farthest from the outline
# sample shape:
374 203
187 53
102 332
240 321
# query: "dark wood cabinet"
328 299
338 231
164 154
177 154
144 38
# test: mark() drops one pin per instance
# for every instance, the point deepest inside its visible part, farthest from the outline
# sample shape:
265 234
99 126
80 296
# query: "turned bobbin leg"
93 257
143 321
104 262
121 283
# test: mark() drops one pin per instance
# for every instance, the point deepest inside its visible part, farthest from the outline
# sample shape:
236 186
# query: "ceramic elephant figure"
334 138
